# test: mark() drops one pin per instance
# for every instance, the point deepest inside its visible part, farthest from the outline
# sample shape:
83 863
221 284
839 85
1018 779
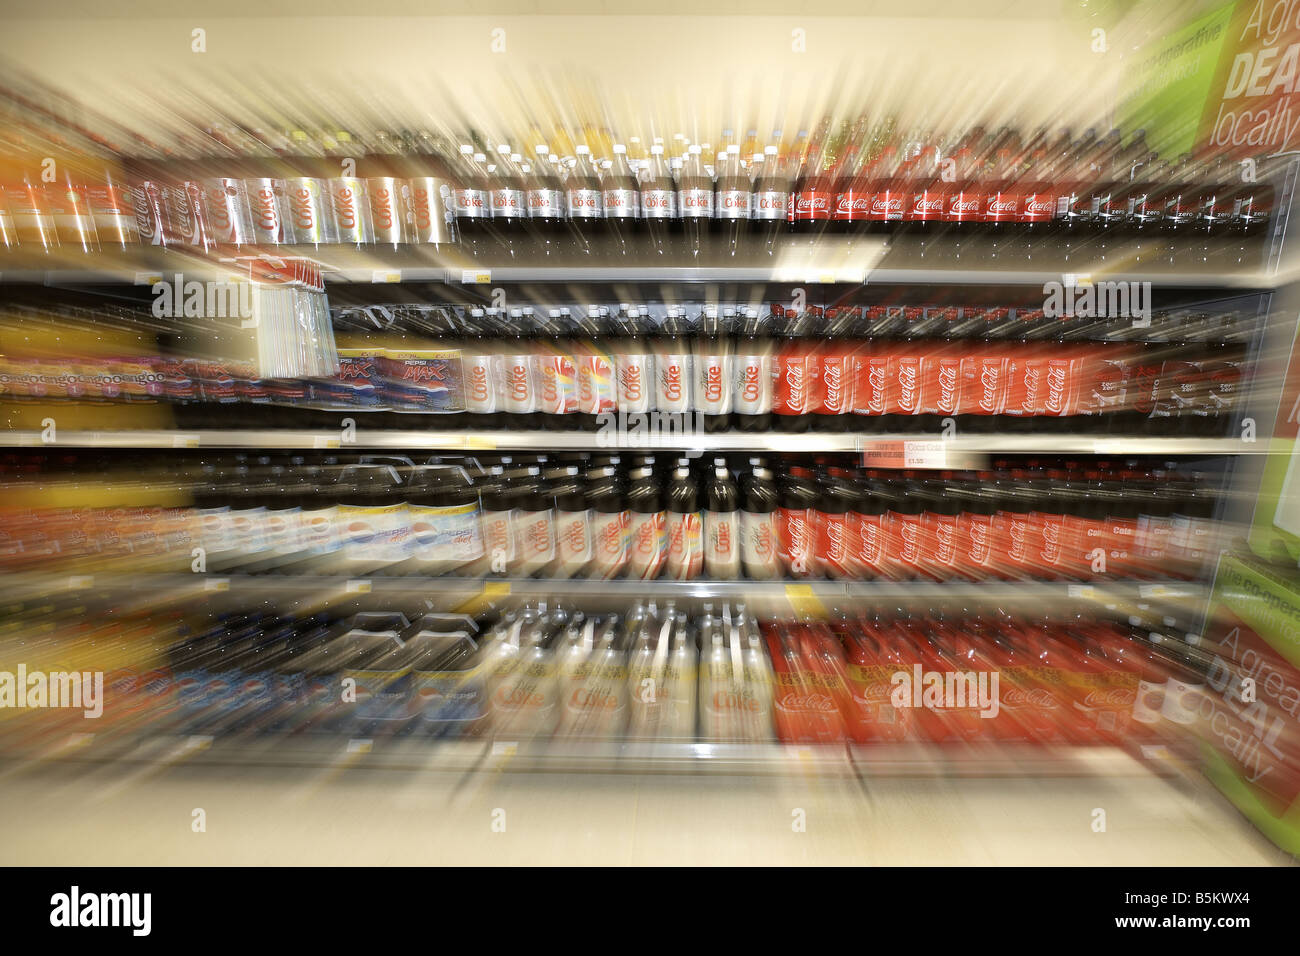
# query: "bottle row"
619 369
651 673
604 198
610 516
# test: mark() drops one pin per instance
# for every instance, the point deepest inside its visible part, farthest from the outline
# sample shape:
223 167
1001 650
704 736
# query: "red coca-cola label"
871 383
872 538
836 380
835 543
926 205
887 205
811 204
793 384
905 394
1001 206
963 205
852 205
796 541
911 535
1038 206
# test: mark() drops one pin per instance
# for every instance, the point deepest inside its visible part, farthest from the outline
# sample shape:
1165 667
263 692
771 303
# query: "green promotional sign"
1166 90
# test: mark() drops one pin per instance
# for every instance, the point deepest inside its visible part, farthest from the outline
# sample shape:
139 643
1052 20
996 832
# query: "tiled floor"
104 815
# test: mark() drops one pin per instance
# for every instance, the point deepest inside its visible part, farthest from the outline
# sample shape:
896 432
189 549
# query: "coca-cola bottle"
796 524
771 198
609 522
836 362
384 168
758 532
574 543
508 201
752 367
1252 198
837 551
685 527
1002 197
673 365
812 196
558 386
888 192
722 540
734 200
471 202
795 388
634 361
647 525
1182 206
713 371
964 203
622 200
547 221
924 207
852 194
586 204
695 200
659 214
520 373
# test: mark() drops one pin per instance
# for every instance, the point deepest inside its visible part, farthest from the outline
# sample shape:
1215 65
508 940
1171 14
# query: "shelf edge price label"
476 276
386 275
884 454
217 584
147 278
925 454
1085 591
357 586
483 444
803 600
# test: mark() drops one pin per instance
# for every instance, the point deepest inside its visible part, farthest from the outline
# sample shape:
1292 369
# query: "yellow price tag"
473 441
803 600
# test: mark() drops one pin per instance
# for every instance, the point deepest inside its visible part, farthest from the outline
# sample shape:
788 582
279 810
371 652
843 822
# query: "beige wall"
945 63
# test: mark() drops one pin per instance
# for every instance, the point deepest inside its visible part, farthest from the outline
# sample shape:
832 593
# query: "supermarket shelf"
902 451
628 756
193 587
894 260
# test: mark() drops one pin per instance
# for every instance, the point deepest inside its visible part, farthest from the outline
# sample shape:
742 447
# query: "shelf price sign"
899 453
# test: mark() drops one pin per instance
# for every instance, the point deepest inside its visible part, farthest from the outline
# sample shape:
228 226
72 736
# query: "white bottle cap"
583 150
656 150
695 149
504 149
619 148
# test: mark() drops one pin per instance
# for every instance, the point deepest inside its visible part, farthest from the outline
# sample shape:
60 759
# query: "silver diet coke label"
621 203
658 203
753 384
585 204
351 210
385 196
733 203
635 382
509 203
696 203
546 203
769 204
309 219
469 203
264 202
713 384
